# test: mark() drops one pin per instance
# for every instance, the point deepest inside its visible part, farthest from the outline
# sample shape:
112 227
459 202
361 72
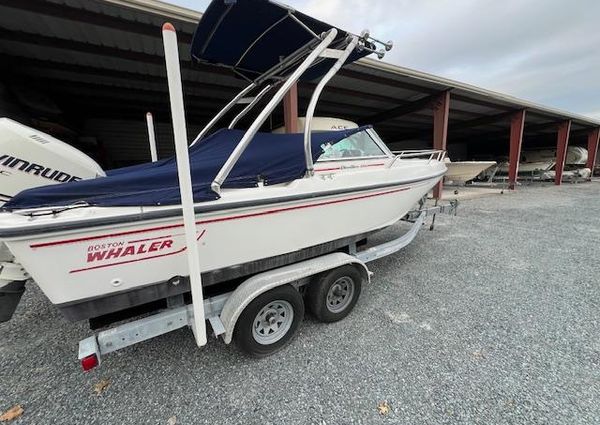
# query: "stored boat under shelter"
88 71
291 167
252 202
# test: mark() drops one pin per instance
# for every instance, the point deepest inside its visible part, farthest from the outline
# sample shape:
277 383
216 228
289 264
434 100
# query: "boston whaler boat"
274 209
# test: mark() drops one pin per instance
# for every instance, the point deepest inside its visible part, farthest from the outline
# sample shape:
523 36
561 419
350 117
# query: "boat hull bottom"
212 281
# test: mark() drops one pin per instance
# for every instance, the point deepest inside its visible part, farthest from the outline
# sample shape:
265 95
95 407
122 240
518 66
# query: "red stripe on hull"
153 239
132 232
299 207
318 170
216 220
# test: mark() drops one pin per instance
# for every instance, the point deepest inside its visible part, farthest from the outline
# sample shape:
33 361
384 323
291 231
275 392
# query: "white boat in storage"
461 172
102 246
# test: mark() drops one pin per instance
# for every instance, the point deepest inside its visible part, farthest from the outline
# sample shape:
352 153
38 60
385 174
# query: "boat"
540 161
536 167
571 174
576 155
106 245
462 172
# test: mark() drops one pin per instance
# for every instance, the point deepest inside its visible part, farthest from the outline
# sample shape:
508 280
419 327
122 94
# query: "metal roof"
104 58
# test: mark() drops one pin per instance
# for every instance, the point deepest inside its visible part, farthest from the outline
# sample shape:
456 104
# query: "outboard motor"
30 158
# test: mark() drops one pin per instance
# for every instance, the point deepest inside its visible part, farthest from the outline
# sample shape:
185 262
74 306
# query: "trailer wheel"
333 295
269 322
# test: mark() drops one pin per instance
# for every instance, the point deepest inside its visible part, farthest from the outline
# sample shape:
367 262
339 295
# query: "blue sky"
545 51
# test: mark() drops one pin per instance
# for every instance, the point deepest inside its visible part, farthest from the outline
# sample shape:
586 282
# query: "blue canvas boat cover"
252 36
271 158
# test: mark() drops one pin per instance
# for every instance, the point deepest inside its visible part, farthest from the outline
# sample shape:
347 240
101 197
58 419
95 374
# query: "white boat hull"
529 167
576 155
95 261
568 175
464 171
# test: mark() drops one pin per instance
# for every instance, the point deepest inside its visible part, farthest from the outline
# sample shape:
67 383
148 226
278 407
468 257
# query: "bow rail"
429 154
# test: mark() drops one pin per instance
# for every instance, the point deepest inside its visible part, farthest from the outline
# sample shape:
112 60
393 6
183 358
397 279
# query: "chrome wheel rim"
340 294
272 322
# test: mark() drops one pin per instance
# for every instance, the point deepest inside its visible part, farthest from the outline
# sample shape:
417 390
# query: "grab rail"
431 154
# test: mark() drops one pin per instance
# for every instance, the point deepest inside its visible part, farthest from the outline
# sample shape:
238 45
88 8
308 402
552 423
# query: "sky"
545 51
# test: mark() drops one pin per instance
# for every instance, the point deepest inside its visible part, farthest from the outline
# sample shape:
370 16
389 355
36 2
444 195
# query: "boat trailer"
223 311
263 313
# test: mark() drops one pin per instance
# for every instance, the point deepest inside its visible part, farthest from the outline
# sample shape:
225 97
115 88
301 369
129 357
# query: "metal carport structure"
100 65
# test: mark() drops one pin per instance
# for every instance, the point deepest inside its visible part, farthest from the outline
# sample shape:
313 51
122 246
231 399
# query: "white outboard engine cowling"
30 158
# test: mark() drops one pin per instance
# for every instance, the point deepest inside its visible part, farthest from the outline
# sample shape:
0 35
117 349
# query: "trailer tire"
269 322
333 295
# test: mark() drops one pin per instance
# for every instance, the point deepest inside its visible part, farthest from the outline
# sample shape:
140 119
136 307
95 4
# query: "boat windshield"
358 145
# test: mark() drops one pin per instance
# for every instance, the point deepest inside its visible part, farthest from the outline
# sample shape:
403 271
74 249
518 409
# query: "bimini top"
271 158
252 37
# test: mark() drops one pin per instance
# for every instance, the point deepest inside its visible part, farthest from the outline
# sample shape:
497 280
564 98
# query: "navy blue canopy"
272 158
252 36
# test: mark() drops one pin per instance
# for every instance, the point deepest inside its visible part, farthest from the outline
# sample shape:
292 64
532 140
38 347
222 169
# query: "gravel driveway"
492 318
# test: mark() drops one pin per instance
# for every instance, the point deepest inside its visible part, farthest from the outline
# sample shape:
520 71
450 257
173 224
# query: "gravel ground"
492 318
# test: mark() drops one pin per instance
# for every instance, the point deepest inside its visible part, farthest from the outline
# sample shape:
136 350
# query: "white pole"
185 179
151 137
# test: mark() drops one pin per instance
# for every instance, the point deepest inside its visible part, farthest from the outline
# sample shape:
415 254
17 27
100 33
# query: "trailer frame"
222 311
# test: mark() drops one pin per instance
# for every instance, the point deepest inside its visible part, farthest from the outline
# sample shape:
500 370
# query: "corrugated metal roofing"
104 58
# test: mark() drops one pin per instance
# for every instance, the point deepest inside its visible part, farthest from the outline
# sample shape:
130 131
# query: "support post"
312 105
517 124
593 140
292 79
562 142
151 137
185 180
290 110
441 111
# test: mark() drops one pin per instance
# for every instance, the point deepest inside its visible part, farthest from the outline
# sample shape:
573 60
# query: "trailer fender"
263 282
